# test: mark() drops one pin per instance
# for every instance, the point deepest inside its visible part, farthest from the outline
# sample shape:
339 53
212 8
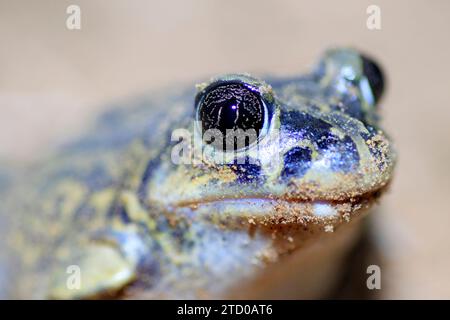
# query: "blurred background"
54 81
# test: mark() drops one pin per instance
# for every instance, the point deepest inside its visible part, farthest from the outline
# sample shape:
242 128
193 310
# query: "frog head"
253 147
302 153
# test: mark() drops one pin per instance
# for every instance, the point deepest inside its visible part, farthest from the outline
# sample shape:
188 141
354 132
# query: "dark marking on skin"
178 233
146 176
327 141
342 154
296 162
122 212
344 157
375 152
304 125
351 105
246 171
372 132
151 267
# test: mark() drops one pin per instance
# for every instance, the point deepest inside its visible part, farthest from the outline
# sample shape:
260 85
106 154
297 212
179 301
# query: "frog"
162 199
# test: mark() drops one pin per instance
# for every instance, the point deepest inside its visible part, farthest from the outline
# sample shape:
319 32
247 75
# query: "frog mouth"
283 209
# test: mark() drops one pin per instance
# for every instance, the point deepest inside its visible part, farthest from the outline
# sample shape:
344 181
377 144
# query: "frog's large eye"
374 76
236 109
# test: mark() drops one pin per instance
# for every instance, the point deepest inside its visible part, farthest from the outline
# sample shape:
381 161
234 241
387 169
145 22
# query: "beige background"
54 81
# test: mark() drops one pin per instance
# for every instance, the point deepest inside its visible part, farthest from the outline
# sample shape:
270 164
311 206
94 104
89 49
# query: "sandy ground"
54 81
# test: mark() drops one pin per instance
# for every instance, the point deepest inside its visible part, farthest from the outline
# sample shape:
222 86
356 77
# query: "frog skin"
115 208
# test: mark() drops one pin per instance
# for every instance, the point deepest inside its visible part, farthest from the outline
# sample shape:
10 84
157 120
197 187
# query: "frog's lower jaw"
257 261
313 271
289 249
285 215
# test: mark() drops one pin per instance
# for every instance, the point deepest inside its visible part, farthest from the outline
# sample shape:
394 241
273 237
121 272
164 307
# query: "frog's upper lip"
279 199
244 200
264 207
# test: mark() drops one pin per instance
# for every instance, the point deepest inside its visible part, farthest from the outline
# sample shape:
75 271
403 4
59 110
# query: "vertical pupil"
232 108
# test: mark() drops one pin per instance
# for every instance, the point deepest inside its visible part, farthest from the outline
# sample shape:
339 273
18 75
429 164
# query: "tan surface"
53 80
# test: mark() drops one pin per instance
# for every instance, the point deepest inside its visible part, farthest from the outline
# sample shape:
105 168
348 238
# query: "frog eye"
374 76
236 109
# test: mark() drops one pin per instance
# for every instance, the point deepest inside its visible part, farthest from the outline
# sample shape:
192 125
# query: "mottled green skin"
116 205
